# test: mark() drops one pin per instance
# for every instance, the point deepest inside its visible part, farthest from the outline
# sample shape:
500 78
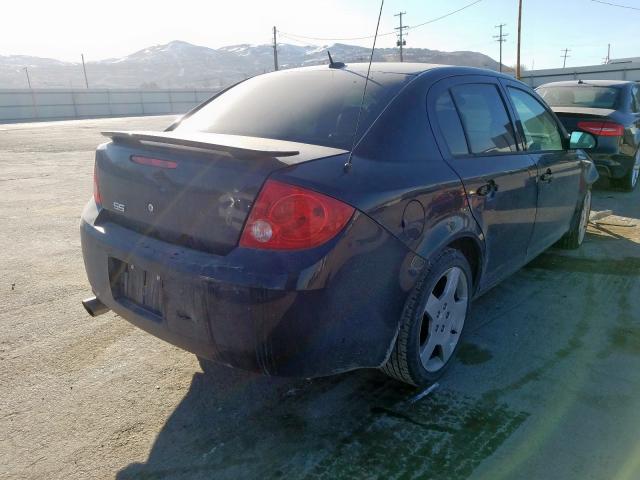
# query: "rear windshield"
580 96
313 106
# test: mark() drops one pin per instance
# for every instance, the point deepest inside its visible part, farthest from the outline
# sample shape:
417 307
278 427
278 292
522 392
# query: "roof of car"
406 68
597 83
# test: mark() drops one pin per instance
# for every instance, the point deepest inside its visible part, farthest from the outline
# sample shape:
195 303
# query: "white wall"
612 71
25 105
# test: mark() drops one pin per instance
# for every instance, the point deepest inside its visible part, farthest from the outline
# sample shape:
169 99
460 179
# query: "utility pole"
500 39
275 49
401 42
608 59
26 70
519 38
565 55
84 69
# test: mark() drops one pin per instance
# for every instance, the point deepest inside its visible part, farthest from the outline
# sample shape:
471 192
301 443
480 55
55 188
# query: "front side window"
450 126
540 130
484 118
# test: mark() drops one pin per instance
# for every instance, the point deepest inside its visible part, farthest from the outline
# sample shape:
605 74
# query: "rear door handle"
547 176
487 188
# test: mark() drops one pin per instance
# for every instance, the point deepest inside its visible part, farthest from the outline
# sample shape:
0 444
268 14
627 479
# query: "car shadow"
232 424
609 196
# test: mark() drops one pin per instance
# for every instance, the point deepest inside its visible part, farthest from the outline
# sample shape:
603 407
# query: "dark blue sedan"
608 109
247 233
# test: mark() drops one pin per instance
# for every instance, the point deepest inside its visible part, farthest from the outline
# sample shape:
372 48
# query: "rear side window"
484 119
450 126
540 129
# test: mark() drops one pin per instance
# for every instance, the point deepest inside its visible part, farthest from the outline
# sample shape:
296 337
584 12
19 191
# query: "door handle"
547 176
487 188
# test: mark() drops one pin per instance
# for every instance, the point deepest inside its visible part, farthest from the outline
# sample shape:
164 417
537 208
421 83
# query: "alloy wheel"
635 172
443 319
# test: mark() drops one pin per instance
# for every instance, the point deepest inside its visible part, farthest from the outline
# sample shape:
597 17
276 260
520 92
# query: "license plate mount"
134 284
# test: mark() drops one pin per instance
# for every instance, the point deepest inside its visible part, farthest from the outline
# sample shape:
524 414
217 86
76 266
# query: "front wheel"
432 321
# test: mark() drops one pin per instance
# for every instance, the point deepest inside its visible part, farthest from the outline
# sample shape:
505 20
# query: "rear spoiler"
233 144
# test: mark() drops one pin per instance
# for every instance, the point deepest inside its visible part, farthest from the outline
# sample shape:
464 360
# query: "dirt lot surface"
546 385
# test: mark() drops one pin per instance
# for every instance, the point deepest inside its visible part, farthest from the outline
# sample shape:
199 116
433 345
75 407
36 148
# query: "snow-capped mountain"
181 64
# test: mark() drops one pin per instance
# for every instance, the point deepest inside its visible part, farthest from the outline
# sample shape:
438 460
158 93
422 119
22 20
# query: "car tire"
432 321
575 236
630 180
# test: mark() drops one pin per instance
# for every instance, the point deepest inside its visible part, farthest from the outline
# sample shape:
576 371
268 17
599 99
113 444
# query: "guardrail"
26 105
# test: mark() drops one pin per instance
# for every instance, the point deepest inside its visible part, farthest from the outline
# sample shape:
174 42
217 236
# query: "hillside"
184 65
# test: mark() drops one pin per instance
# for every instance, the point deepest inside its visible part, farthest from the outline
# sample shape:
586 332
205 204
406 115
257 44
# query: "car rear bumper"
307 314
612 166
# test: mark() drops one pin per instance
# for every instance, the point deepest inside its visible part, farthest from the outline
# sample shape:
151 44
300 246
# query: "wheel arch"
471 248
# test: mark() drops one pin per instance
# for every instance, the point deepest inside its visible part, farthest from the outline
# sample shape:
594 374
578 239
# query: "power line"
285 34
446 14
382 34
304 43
500 38
401 42
615 5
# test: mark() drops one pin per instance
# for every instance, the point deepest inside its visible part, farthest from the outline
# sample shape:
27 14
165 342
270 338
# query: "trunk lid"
570 116
192 189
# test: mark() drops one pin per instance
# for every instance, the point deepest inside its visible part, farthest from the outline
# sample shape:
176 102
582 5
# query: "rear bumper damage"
305 314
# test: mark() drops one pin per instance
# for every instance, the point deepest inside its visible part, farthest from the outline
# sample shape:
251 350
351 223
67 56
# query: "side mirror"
582 140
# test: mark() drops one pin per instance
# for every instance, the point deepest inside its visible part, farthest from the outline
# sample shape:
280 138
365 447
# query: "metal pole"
519 38
401 30
500 38
565 55
84 69
501 42
275 49
26 70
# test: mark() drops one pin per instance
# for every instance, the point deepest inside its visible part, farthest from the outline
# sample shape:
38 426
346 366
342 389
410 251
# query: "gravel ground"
545 386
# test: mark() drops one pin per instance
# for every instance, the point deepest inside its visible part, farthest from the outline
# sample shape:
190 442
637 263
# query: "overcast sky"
113 28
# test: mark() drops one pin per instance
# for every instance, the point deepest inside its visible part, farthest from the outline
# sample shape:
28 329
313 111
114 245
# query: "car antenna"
333 64
347 165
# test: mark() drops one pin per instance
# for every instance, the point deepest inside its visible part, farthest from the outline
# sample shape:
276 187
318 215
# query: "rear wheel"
574 237
630 180
432 321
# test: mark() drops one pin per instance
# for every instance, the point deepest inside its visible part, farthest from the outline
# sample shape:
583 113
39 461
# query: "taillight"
153 162
286 217
602 129
96 189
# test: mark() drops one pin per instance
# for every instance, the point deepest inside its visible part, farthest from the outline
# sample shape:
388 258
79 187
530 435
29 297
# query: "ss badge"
119 207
